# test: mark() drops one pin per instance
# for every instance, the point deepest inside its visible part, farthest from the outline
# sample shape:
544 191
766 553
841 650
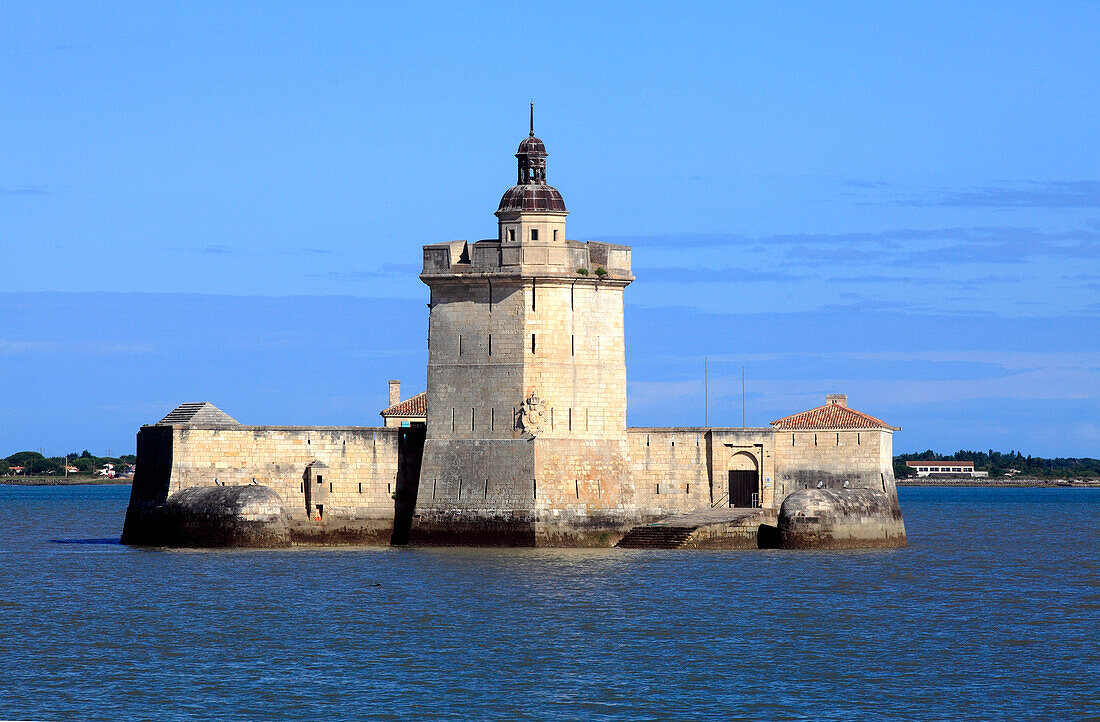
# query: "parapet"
552 258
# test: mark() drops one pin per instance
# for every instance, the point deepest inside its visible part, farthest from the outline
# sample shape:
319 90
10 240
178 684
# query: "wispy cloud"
1029 194
384 270
24 191
10 348
673 274
680 240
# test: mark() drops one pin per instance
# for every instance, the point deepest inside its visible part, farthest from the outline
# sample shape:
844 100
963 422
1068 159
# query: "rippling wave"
992 613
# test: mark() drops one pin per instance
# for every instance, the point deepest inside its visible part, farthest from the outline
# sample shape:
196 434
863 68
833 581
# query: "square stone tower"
526 433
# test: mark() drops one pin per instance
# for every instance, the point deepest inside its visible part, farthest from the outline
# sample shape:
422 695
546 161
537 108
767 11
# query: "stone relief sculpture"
529 418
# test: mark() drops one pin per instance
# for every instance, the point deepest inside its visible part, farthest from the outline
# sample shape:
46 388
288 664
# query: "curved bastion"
840 519
215 516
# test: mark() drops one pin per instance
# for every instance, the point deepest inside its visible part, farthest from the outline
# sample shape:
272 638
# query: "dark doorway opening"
742 488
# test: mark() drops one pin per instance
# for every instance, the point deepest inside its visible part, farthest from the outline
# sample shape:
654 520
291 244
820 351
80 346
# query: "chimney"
395 392
834 399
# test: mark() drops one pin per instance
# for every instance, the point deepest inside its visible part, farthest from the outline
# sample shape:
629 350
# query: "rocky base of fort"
245 516
210 516
516 529
840 519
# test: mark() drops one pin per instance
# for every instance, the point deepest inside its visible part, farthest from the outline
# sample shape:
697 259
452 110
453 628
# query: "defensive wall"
335 483
341 484
834 459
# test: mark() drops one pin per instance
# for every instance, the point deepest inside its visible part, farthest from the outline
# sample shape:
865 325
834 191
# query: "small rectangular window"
490 344
511 234
572 345
460 344
555 234
320 479
534 234
532 343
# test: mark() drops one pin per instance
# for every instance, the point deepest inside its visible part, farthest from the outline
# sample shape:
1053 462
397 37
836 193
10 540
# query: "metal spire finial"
532 119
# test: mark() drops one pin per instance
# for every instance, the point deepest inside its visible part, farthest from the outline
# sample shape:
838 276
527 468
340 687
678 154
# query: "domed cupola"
531 194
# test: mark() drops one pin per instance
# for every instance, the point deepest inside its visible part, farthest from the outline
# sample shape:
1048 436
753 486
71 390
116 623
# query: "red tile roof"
415 407
831 416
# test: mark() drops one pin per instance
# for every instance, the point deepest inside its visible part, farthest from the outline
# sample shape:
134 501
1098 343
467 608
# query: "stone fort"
520 438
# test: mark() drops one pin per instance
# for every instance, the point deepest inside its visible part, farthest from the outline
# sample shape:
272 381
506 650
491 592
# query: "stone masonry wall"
863 458
669 469
361 461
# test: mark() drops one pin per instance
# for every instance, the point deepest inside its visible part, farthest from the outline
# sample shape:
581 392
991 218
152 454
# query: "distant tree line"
999 463
35 463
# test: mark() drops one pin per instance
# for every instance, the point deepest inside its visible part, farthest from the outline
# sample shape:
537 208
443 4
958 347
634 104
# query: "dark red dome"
531 146
530 197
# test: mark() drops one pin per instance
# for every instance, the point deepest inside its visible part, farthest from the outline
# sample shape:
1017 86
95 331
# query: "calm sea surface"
992 612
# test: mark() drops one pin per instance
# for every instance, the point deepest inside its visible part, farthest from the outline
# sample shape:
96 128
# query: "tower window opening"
857 440
512 234
572 345
532 343
838 439
532 295
490 344
577 485
460 344
471 419
792 439
570 418
452 419
534 234
555 234
492 419
815 439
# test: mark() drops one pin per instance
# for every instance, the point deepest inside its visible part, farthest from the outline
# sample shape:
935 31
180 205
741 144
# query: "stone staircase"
721 528
656 536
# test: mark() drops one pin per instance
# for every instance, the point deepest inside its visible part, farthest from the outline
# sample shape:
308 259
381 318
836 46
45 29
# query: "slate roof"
417 406
532 146
531 197
200 413
831 416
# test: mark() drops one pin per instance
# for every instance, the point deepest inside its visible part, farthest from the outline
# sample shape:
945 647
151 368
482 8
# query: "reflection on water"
991 612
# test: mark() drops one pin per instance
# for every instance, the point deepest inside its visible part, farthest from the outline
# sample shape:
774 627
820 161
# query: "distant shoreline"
62 481
1014 482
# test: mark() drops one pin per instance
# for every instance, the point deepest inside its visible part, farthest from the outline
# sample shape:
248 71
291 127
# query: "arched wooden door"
744 480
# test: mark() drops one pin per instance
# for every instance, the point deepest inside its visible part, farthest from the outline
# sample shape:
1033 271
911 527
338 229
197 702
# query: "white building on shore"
945 468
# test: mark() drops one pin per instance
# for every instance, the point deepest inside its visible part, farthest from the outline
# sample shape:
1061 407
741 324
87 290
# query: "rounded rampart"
840 519
219 516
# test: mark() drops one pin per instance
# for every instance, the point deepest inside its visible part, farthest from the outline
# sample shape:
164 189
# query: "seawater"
992 612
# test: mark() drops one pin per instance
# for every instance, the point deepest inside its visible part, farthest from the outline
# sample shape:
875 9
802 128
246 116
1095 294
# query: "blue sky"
897 201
